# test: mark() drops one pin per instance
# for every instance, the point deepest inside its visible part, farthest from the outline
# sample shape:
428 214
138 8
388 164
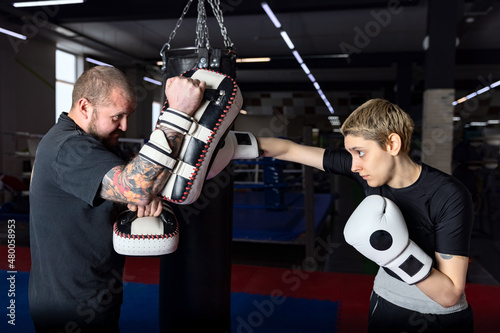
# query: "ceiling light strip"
271 15
298 57
495 84
153 81
477 93
97 62
46 3
262 59
287 40
296 54
13 34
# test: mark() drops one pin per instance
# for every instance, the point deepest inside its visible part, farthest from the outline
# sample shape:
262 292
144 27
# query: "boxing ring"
284 226
279 204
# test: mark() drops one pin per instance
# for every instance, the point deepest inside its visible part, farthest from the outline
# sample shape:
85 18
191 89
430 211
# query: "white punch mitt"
146 236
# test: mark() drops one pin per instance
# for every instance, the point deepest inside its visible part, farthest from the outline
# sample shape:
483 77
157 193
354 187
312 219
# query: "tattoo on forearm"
139 178
446 256
132 182
175 140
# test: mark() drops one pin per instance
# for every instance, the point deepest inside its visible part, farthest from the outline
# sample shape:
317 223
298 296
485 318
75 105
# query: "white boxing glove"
237 145
378 230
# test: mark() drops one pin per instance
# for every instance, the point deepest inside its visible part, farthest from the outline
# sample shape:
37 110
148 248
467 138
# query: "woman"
436 207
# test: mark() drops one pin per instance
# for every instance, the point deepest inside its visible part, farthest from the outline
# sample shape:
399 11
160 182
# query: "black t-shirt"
75 274
437 208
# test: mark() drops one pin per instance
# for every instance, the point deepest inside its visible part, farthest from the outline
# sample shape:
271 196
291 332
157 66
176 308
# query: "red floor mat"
352 290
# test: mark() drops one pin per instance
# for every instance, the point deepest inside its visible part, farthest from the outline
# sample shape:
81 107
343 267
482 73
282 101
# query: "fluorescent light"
65 32
97 62
153 81
13 34
334 120
46 3
457 118
328 105
305 68
479 123
271 15
485 89
494 122
474 94
495 84
287 39
297 56
261 59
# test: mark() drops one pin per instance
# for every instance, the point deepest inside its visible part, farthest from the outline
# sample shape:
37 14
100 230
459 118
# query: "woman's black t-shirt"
437 208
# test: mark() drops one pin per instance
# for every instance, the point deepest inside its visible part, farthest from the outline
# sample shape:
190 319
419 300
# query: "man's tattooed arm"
140 180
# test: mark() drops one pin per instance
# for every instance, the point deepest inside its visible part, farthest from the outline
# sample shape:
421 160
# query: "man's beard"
108 141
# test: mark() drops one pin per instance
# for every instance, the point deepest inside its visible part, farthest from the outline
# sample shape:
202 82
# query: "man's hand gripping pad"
210 123
146 236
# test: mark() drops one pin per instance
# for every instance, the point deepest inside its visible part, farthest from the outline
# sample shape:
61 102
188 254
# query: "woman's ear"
394 144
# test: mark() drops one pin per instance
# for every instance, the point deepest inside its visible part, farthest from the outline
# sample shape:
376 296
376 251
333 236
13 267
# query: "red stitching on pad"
139 237
215 129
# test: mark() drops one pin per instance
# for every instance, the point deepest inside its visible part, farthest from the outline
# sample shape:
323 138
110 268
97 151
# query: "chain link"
202 36
178 24
215 4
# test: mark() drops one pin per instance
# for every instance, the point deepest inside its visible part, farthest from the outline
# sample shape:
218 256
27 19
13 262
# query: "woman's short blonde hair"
376 119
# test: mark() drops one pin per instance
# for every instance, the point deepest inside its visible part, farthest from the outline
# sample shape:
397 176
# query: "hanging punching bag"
195 281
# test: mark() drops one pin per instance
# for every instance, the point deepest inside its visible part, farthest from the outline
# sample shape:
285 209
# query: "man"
78 187
436 210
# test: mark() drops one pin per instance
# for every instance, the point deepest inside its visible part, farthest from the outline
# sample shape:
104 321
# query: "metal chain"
202 36
215 4
172 34
202 26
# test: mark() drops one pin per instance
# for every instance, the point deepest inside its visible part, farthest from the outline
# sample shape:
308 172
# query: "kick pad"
221 105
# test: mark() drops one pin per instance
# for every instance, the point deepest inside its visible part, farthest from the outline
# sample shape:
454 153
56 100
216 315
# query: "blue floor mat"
249 313
267 314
